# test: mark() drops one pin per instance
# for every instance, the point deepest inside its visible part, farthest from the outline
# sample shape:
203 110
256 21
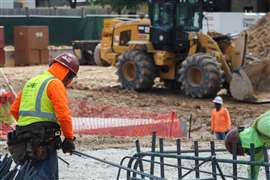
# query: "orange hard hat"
231 138
68 60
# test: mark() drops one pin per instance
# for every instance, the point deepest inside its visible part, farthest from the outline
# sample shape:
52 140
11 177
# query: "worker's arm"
57 94
228 119
15 107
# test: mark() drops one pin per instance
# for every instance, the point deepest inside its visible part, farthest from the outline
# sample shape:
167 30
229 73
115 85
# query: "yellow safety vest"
35 105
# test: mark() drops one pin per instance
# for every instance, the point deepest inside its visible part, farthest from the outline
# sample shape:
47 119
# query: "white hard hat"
218 100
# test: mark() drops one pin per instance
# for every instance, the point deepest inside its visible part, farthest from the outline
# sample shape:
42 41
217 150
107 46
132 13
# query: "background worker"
6 98
258 134
220 119
41 110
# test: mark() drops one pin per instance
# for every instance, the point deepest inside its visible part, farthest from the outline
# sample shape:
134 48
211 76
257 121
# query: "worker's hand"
68 145
212 132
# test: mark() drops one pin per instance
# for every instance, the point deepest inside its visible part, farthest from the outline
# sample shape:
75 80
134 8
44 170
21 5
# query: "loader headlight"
161 37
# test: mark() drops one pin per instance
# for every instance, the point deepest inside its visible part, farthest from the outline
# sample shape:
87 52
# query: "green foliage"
120 5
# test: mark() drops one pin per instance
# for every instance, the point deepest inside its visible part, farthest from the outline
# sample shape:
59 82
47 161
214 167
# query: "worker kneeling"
41 110
258 134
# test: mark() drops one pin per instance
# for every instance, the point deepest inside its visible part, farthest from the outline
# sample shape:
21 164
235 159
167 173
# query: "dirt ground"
99 85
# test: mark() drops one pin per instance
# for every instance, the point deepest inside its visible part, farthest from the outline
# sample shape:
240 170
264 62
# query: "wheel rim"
194 76
129 71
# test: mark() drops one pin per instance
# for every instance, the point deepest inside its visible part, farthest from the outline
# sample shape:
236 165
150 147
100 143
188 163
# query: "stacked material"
31 45
259 38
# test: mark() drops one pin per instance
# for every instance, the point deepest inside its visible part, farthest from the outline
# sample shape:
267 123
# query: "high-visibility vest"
253 134
35 105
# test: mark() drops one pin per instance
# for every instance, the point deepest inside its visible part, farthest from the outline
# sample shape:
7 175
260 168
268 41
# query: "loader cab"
171 20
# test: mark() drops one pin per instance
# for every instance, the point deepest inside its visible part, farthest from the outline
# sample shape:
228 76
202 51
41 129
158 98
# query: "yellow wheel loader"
169 45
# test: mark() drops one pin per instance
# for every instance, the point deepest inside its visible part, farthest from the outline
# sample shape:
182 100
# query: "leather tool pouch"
33 141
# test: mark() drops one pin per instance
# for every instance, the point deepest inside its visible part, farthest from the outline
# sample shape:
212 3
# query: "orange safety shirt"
220 120
56 92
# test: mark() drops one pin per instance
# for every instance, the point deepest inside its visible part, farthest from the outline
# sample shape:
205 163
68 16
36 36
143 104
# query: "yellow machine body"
119 36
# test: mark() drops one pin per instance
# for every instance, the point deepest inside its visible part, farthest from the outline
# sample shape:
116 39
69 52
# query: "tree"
119 5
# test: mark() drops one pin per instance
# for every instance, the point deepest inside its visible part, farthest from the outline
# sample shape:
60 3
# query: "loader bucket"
251 83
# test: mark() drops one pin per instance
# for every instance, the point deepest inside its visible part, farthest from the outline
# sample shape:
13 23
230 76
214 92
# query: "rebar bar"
116 165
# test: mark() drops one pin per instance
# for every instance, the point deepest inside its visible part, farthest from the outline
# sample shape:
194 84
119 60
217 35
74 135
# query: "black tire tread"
145 74
213 76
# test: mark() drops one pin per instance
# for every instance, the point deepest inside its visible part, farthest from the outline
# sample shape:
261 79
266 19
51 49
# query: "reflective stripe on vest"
37 112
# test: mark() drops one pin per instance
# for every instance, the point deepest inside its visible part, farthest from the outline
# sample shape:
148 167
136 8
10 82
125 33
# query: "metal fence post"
138 148
252 159
153 149
161 149
213 160
234 154
266 160
179 162
196 153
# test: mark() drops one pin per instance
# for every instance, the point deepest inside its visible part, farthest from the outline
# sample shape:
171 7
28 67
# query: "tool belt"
33 142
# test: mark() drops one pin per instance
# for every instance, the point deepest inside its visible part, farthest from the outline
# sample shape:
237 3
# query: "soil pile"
258 69
259 38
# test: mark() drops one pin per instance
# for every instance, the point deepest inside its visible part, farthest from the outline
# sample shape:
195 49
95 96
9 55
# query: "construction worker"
220 119
6 99
258 134
41 110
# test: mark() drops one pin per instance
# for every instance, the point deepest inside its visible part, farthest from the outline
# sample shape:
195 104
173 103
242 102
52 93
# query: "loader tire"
201 76
97 58
136 70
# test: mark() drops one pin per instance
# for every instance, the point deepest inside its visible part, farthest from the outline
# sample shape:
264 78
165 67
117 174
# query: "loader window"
189 16
163 15
125 37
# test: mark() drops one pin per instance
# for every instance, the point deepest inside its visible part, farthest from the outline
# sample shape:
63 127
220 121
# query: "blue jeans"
220 135
47 169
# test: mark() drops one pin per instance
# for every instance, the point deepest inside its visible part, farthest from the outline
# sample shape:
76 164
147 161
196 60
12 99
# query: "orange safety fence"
99 119
168 126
